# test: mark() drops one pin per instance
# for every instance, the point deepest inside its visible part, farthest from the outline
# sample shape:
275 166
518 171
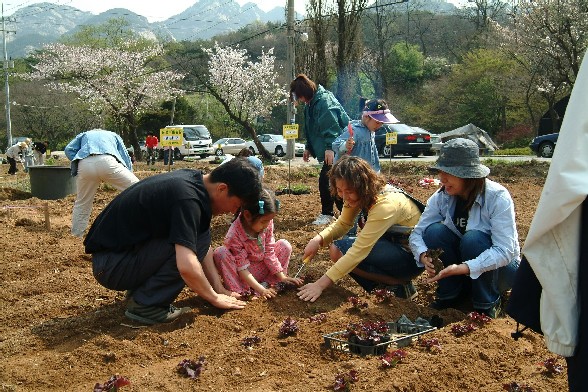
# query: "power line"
320 16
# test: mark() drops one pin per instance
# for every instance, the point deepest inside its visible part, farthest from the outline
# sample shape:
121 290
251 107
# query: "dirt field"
61 331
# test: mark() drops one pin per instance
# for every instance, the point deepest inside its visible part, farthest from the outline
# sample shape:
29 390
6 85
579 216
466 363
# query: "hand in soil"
434 254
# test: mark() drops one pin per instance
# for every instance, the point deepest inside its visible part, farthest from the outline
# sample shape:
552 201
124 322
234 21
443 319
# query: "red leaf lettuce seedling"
112 385
190 368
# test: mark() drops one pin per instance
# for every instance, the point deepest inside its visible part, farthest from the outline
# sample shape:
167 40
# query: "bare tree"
483 12
319 20
349 13
45 115
382 21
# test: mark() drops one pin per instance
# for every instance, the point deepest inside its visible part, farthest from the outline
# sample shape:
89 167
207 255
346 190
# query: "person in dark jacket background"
324 120
39 151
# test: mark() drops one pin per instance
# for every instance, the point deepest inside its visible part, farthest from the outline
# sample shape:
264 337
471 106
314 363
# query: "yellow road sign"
391 138
171 137
290 131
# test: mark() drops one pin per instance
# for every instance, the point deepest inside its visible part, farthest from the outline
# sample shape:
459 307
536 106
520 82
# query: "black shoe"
407 290
153 314
440 304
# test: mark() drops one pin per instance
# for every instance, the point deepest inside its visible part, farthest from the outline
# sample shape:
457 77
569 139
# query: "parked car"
197 141
410 141
275 144
544 145
228 145
436 144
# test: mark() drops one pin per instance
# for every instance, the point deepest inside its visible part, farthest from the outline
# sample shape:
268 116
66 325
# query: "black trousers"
12 162
327 200
578 364
149 270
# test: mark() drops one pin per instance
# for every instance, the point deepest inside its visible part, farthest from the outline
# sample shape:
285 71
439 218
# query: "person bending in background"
39 151
324 118
14 154
96 156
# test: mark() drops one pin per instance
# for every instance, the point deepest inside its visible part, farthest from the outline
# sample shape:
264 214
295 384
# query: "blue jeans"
486 289
386 258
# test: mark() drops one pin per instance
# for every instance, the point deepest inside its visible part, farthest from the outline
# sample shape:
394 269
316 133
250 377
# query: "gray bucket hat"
460 158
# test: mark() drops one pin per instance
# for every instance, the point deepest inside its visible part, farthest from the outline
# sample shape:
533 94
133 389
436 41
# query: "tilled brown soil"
60 330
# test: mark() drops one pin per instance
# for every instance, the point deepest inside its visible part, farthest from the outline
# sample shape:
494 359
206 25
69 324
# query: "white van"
197 141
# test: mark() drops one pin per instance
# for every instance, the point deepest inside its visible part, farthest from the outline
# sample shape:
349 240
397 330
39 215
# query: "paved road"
298 160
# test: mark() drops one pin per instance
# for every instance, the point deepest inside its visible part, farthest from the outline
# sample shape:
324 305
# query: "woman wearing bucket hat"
472 219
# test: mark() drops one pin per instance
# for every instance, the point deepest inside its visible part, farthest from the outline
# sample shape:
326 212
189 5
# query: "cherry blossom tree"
246 89
121 82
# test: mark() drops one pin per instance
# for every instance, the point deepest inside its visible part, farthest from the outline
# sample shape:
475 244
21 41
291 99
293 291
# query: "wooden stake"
47 222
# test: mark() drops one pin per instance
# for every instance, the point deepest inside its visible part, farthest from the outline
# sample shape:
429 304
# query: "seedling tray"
400 334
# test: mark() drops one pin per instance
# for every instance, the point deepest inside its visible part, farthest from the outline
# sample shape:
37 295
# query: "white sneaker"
323 219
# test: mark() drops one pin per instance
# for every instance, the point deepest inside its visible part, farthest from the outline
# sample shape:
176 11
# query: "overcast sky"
153 10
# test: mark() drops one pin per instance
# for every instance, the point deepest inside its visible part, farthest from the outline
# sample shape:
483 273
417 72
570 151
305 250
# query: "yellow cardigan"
391 208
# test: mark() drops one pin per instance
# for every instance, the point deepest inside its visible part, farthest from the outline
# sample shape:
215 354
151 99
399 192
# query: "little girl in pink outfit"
250 256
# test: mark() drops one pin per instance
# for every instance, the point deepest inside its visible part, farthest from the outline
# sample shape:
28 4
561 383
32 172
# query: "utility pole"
7 66
291 115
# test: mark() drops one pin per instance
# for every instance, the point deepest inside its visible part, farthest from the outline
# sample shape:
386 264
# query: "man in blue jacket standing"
324 120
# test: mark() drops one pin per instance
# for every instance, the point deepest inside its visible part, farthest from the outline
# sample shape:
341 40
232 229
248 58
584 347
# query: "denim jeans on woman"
486 289
386 258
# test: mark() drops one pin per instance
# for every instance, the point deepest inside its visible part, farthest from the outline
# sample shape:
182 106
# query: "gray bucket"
51 182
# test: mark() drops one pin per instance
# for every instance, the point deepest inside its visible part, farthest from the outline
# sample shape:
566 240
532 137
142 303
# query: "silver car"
436 144
228 145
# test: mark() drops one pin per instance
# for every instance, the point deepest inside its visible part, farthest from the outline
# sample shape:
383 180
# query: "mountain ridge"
31 27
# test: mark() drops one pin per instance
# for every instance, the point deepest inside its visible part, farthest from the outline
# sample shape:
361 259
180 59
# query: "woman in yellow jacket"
379 255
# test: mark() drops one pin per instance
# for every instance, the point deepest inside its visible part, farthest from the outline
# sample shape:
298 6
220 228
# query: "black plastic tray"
400 334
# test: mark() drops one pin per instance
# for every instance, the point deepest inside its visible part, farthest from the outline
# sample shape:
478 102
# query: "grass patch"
296 189
304 172
515 151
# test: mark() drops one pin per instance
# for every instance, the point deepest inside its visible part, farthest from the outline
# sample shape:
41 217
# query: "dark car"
410 141
544 145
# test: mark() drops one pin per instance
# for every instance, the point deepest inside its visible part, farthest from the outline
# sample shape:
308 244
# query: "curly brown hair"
359 175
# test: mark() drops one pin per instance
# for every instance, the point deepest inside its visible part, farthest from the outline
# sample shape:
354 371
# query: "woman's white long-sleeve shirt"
492 213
